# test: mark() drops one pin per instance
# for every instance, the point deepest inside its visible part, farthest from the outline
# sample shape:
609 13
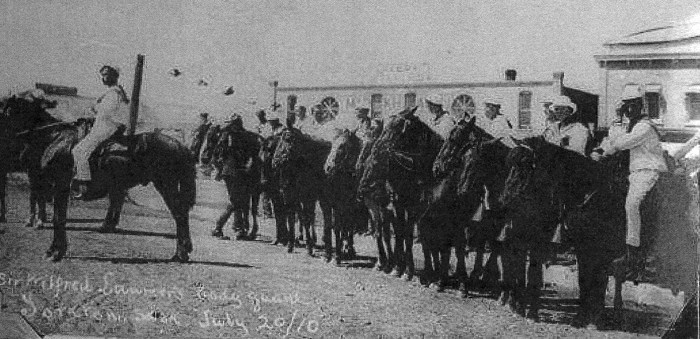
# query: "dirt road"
121 285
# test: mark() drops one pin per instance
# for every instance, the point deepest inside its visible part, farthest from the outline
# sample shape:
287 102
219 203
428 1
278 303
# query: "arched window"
376 105
463 106
525 110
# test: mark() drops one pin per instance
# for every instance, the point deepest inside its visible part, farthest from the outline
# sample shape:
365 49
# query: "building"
664 63
521 100
69 105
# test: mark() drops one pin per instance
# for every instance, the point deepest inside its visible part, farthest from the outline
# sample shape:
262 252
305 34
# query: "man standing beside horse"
237 153
111 112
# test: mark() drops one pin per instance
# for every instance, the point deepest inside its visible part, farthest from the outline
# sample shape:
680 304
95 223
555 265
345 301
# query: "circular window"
463 106
330 108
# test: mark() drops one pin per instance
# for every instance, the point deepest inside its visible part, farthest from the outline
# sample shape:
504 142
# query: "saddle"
117 153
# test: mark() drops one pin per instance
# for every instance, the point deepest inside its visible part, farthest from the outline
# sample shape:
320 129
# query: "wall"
393 98
674 84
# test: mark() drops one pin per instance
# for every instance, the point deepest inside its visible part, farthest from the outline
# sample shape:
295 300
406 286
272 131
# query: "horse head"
286 151
24 114
462 137
407 147
344 152
524 160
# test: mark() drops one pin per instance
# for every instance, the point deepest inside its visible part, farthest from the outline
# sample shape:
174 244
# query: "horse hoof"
290 249
378 268
252 236
407 277
29 224
107 229
54 256
395 273
181 258
3 219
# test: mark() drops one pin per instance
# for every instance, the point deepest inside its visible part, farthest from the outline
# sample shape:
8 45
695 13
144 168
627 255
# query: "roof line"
646 56
419 86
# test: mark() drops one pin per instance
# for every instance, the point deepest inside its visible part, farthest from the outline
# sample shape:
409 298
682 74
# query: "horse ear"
413 110
472 121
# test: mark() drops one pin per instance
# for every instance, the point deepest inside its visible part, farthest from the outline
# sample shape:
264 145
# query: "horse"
594 195
149 157
457 197
235 156
269 184
401 160
348 213
376 200
299 160
15 156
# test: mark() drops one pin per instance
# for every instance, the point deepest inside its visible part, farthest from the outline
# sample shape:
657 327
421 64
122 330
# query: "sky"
247 44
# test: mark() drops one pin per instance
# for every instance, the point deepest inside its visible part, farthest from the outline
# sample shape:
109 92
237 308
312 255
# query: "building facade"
521 101
664 65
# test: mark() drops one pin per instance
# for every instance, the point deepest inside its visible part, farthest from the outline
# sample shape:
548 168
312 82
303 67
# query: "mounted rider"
565 129
647 161
364 123
111 112
442 122
493 121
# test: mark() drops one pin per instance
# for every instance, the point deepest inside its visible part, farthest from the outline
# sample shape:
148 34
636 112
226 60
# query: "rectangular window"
653 101
525 110
376 105
693 105
409 100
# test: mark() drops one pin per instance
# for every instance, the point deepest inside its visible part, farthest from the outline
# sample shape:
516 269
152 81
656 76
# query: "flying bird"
229 90
202 82
175 72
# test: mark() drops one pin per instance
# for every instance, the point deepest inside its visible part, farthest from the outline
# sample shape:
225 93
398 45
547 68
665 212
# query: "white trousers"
81 151
641 182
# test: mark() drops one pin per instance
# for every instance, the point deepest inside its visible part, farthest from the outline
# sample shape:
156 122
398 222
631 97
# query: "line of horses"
403 176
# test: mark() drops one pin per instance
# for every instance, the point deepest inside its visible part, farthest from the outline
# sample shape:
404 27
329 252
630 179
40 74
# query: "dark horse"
401 160
376 200
236 157
16 158
348 213
155 158
299 160
469 160
594 196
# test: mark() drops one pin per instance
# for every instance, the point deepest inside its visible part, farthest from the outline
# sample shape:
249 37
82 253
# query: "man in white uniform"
111 111
442 122
565 130
646 162
493 122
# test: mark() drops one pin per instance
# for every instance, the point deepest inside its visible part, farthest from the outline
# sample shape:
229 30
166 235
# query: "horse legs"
534 283
307 216
221 221
254 201
59 246
327 233
114 211
444 268
180 213
400 250
3 191
281 236
461 272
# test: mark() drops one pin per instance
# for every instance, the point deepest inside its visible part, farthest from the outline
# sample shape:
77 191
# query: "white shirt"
498 127
443 125
111 108
643 143
573 136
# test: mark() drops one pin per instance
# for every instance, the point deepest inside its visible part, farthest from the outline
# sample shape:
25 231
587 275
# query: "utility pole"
135 94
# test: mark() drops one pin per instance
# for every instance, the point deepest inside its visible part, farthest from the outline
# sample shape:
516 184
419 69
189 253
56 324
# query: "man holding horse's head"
111 112
646 162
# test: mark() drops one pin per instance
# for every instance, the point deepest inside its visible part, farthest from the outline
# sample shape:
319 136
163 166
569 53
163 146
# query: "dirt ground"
122 285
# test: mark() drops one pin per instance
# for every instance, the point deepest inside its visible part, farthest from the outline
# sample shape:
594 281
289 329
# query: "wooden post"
135 94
